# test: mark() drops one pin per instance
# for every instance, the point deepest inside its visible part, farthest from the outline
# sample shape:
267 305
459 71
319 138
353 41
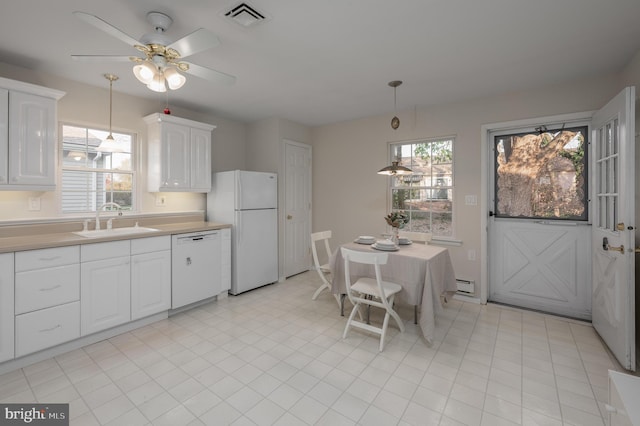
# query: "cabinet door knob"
289 217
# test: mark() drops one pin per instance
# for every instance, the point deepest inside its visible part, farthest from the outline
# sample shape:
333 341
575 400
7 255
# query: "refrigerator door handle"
239 231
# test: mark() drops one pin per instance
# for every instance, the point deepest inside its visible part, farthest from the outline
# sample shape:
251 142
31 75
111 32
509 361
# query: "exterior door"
538 229
297 232
613 230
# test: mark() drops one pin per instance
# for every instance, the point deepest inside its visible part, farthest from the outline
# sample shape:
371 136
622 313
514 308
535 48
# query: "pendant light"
109 144
395 121
395 168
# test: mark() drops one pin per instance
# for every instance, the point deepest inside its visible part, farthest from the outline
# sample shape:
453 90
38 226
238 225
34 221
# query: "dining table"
424 271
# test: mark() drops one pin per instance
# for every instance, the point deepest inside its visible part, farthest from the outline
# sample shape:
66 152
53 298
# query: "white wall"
265 154
351 199
88 105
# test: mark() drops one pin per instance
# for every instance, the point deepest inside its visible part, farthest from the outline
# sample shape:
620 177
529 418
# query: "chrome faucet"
99 209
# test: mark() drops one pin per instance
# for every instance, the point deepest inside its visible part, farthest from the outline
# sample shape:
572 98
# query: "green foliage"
437 152
397 219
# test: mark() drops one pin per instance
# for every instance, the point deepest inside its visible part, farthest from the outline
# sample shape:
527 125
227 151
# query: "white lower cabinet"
150 276
55 295
6 307
46 328
47 294
105 286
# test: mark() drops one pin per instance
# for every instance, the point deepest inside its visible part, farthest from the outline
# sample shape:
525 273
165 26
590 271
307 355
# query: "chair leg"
415 314
355 309
395 315
319 290
383 334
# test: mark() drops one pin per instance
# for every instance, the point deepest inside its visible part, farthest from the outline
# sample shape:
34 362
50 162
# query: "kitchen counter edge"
62 239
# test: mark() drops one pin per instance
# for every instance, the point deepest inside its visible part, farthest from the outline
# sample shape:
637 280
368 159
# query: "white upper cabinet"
28 123
179 154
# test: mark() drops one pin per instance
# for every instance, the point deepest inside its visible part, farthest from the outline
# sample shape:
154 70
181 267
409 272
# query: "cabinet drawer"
47 327
101 251
44 288
46 258
151 244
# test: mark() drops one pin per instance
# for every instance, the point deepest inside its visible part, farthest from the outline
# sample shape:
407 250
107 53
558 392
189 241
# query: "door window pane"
542 175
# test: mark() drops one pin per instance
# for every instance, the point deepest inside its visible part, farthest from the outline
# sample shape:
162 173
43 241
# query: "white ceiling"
325 61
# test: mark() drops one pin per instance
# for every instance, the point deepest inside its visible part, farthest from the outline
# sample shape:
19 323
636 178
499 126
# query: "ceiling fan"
162 63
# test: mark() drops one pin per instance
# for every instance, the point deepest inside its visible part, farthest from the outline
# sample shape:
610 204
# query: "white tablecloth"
423 271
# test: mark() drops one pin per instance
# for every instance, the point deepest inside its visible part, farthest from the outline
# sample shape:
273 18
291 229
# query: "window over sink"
426 194
91 178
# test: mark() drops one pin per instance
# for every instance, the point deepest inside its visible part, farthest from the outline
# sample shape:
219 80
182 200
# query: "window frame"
393 146
133 172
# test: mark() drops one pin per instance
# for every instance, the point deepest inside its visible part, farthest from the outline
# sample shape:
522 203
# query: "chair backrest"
423 237
367 258
320 236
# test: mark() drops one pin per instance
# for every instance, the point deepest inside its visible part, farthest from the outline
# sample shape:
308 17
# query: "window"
91 178
542 174
426 194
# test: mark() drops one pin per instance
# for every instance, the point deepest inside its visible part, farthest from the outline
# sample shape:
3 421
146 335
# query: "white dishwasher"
195 267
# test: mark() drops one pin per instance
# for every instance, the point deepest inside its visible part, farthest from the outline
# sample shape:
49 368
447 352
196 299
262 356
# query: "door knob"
289 217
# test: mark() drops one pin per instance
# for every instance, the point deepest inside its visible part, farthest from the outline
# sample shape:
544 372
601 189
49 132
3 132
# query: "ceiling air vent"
245 15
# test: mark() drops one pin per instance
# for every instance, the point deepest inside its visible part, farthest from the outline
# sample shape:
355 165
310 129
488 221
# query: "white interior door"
613 230
297 222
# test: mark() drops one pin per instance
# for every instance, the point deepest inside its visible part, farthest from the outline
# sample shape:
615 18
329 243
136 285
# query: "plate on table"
404 241
385 247
365 239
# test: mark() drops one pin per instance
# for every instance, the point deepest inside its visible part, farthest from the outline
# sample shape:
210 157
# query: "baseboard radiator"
465 287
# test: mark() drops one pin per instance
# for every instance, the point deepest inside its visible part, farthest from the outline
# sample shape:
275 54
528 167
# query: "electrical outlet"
34 204
161 200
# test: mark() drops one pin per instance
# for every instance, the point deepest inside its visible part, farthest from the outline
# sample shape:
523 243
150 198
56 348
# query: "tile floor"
274 357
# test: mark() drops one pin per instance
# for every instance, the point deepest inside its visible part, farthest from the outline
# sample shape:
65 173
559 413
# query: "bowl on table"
365 239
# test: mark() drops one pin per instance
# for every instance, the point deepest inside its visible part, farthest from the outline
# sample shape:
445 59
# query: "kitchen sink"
114 232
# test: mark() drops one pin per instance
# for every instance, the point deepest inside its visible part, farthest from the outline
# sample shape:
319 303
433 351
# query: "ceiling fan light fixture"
157 84
144 72
175 80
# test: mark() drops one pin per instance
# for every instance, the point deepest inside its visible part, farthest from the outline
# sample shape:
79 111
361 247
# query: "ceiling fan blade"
209 74
107 28
101 58
199 40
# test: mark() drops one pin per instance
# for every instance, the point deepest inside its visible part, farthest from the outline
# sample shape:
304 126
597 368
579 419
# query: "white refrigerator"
248 201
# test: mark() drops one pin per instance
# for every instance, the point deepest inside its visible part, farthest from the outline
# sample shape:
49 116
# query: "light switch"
471 200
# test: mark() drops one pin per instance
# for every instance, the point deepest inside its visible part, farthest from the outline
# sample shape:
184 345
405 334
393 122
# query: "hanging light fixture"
395 121
77 155
109 144
395 168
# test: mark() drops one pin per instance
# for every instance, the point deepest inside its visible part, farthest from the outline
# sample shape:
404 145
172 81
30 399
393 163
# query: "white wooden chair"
371 292
422 237
324 271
